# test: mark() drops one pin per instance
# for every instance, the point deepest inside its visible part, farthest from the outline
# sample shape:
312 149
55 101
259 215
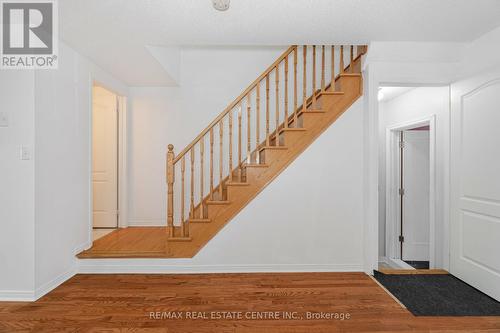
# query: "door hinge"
401 239
401 144
401 191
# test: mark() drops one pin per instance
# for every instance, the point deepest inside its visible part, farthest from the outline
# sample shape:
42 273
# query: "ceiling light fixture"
221 5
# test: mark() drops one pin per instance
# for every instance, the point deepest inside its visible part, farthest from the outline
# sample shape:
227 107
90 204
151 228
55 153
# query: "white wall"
404 63
17 181
62 165
45 201
302 221
415 105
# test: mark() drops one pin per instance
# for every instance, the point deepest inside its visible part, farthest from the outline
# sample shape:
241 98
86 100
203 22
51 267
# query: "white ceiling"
390 93
114 33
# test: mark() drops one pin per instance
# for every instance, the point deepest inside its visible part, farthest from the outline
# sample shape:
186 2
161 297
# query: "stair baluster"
341 67
277 99
239 143
267 110
202 148
322 68
249 148
286 93
351 69
183 193
304 78
191 204
295 111
211 163
257 121
314 77
221 153
332 79
230 179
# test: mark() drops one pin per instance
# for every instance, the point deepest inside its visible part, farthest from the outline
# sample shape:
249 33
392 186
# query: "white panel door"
475 182
416 181
105 158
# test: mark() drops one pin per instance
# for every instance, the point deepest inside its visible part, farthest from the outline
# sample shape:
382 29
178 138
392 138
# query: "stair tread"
179 239
274 148
237 184
313 111
332 93
351 74
218 202
255 165
293 129
199 220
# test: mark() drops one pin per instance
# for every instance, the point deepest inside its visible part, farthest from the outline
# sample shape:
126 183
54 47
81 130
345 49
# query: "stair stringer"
259 177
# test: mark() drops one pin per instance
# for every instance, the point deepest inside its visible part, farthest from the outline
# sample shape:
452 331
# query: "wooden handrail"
234 103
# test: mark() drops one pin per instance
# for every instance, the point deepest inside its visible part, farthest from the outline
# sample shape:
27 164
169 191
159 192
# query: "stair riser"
213 210
345 82
271 155
253 174
289 138
311 120
236 191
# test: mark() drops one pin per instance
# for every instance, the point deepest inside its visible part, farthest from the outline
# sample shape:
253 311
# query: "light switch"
4 119
25 153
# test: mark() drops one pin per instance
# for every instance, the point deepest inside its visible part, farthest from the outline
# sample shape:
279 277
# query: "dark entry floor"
438 295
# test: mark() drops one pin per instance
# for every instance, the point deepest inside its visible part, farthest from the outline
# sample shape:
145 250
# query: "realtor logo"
29 34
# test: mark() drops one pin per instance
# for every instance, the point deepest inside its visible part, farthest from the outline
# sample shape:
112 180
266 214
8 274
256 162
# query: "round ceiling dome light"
221 5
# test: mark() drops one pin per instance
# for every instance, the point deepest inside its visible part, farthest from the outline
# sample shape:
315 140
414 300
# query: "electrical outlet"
4 119
25 153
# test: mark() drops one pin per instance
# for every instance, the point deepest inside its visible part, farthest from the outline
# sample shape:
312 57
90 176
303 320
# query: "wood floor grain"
143 303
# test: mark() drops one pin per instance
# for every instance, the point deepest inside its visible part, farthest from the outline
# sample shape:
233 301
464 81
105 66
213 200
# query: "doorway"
105 161
410 177
414 171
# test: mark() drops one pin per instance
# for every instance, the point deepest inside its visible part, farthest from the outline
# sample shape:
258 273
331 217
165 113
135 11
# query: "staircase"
249 144
254 139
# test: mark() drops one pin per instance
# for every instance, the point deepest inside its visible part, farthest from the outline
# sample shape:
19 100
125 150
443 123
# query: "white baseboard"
116 266
54 283
17 296
398 263
83 247
383 259
152 266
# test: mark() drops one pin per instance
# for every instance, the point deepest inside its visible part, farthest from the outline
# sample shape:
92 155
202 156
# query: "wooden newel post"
170 190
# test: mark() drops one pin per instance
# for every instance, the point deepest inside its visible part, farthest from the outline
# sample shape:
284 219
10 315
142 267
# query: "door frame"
392 223
122 158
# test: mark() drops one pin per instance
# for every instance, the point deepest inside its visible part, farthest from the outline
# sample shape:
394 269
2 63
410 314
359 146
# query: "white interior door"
416 181
105 158
475 182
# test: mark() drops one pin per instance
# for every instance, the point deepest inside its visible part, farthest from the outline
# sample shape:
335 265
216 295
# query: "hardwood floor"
124 303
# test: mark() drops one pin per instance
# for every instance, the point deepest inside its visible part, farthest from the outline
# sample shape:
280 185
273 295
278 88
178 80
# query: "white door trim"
122 162
392 229
122 159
